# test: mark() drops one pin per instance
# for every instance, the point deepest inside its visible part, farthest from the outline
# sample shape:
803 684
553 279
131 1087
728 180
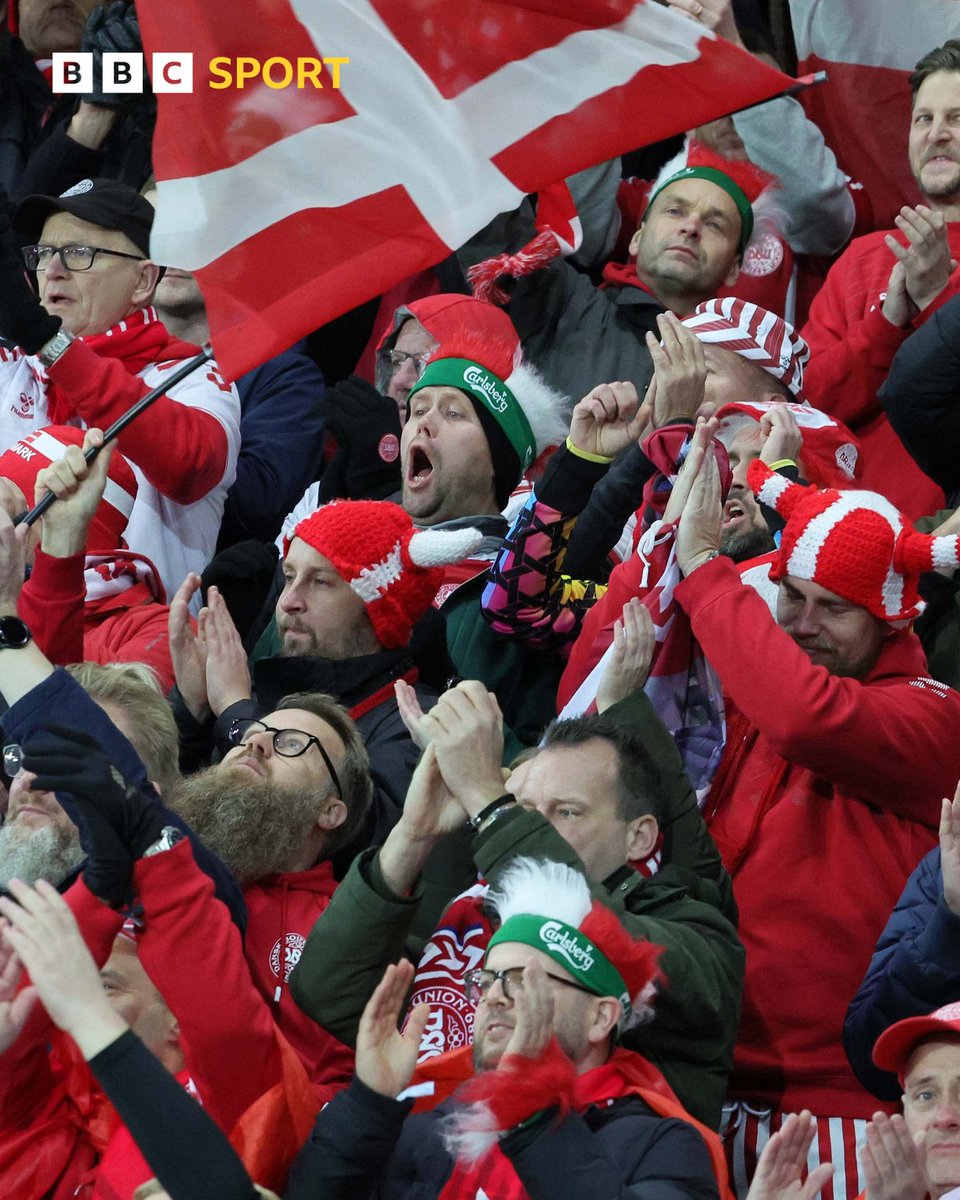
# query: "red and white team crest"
293 945
764 255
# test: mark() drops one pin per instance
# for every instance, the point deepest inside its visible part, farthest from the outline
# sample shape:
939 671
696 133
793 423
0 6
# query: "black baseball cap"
103 202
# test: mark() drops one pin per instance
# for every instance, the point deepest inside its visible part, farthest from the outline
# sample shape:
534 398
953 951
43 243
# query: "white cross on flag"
293 206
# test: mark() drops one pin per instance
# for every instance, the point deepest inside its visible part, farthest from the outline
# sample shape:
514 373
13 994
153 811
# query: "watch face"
13 633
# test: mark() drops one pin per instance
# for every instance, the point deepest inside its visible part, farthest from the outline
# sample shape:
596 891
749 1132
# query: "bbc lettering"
124 73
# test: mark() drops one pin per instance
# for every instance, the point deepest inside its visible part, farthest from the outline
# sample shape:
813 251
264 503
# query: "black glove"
24 321
366 426
112 29
244 573
66 760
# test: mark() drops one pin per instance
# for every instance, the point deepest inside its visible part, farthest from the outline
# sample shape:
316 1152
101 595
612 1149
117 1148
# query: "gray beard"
254 826
29 854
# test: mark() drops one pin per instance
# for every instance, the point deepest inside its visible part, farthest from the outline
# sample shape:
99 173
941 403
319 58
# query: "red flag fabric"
295 205
869 48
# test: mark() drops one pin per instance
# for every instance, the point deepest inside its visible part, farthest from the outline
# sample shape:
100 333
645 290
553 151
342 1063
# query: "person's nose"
291 598
406 375
806 624
55 268
948 1113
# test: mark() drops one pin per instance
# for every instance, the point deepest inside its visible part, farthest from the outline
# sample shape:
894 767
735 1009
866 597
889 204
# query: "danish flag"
294 206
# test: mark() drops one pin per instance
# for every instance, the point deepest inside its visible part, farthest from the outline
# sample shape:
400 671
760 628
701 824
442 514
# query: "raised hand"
408 705
891 1160
14 551
42 931
67 760
634 641
608 419
679 372
465 727
779 1174
16 1003
926 261
188 651
698 533
227 673
950 851
386 1057
533 1016
78 486
780 434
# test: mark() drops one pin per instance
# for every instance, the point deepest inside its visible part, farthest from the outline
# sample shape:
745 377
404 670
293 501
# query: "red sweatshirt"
852 345
827 797
282 910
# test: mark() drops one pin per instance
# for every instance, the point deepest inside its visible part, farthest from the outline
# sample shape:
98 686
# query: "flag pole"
206 353
802 83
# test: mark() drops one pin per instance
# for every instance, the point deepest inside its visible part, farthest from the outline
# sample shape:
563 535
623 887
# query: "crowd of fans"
511 754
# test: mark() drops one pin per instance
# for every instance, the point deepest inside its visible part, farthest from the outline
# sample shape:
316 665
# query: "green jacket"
687 908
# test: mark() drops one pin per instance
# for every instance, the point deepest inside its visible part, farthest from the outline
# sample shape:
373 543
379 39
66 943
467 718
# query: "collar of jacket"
350 680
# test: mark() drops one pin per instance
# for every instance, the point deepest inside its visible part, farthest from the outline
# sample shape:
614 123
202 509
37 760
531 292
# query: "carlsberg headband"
573 951
486 389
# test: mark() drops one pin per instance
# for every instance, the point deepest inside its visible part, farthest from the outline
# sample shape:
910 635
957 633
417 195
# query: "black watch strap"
14 633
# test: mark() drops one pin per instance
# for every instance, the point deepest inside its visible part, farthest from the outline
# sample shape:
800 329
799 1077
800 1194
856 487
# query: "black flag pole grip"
35 513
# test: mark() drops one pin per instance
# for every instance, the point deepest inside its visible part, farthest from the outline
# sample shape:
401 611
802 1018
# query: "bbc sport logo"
124 74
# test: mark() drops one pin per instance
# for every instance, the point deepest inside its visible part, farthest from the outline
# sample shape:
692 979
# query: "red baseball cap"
895 1045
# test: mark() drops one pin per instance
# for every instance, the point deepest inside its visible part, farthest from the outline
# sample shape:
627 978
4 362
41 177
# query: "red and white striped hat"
25 459
755 334
855 544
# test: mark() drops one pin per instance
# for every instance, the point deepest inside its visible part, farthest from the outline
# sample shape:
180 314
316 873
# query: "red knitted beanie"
855 544
394 569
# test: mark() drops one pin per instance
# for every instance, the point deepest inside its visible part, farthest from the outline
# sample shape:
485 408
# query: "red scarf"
137 341
625 1073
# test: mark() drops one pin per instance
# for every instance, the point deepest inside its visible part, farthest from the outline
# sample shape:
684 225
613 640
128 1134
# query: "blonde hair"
134 688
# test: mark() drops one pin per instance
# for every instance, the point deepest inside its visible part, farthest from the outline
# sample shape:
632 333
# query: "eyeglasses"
396 359
478 982
12 759
73 257
288 743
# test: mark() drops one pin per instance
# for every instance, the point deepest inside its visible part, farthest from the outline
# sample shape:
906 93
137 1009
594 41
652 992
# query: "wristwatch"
50 351
14 633
168 838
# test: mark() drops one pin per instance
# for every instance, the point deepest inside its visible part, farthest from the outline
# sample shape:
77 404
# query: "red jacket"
852 345
827 797
70 627
281 911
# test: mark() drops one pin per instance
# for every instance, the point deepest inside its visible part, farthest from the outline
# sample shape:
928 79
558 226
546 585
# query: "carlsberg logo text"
576 954
480 381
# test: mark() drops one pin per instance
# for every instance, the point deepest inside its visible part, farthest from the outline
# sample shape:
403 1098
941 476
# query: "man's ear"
147 282
635 240
642 834
333 815
734 273
606 1016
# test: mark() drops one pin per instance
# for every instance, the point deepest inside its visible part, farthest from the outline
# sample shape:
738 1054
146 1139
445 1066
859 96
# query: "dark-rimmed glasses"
288 743
74 256
478 982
